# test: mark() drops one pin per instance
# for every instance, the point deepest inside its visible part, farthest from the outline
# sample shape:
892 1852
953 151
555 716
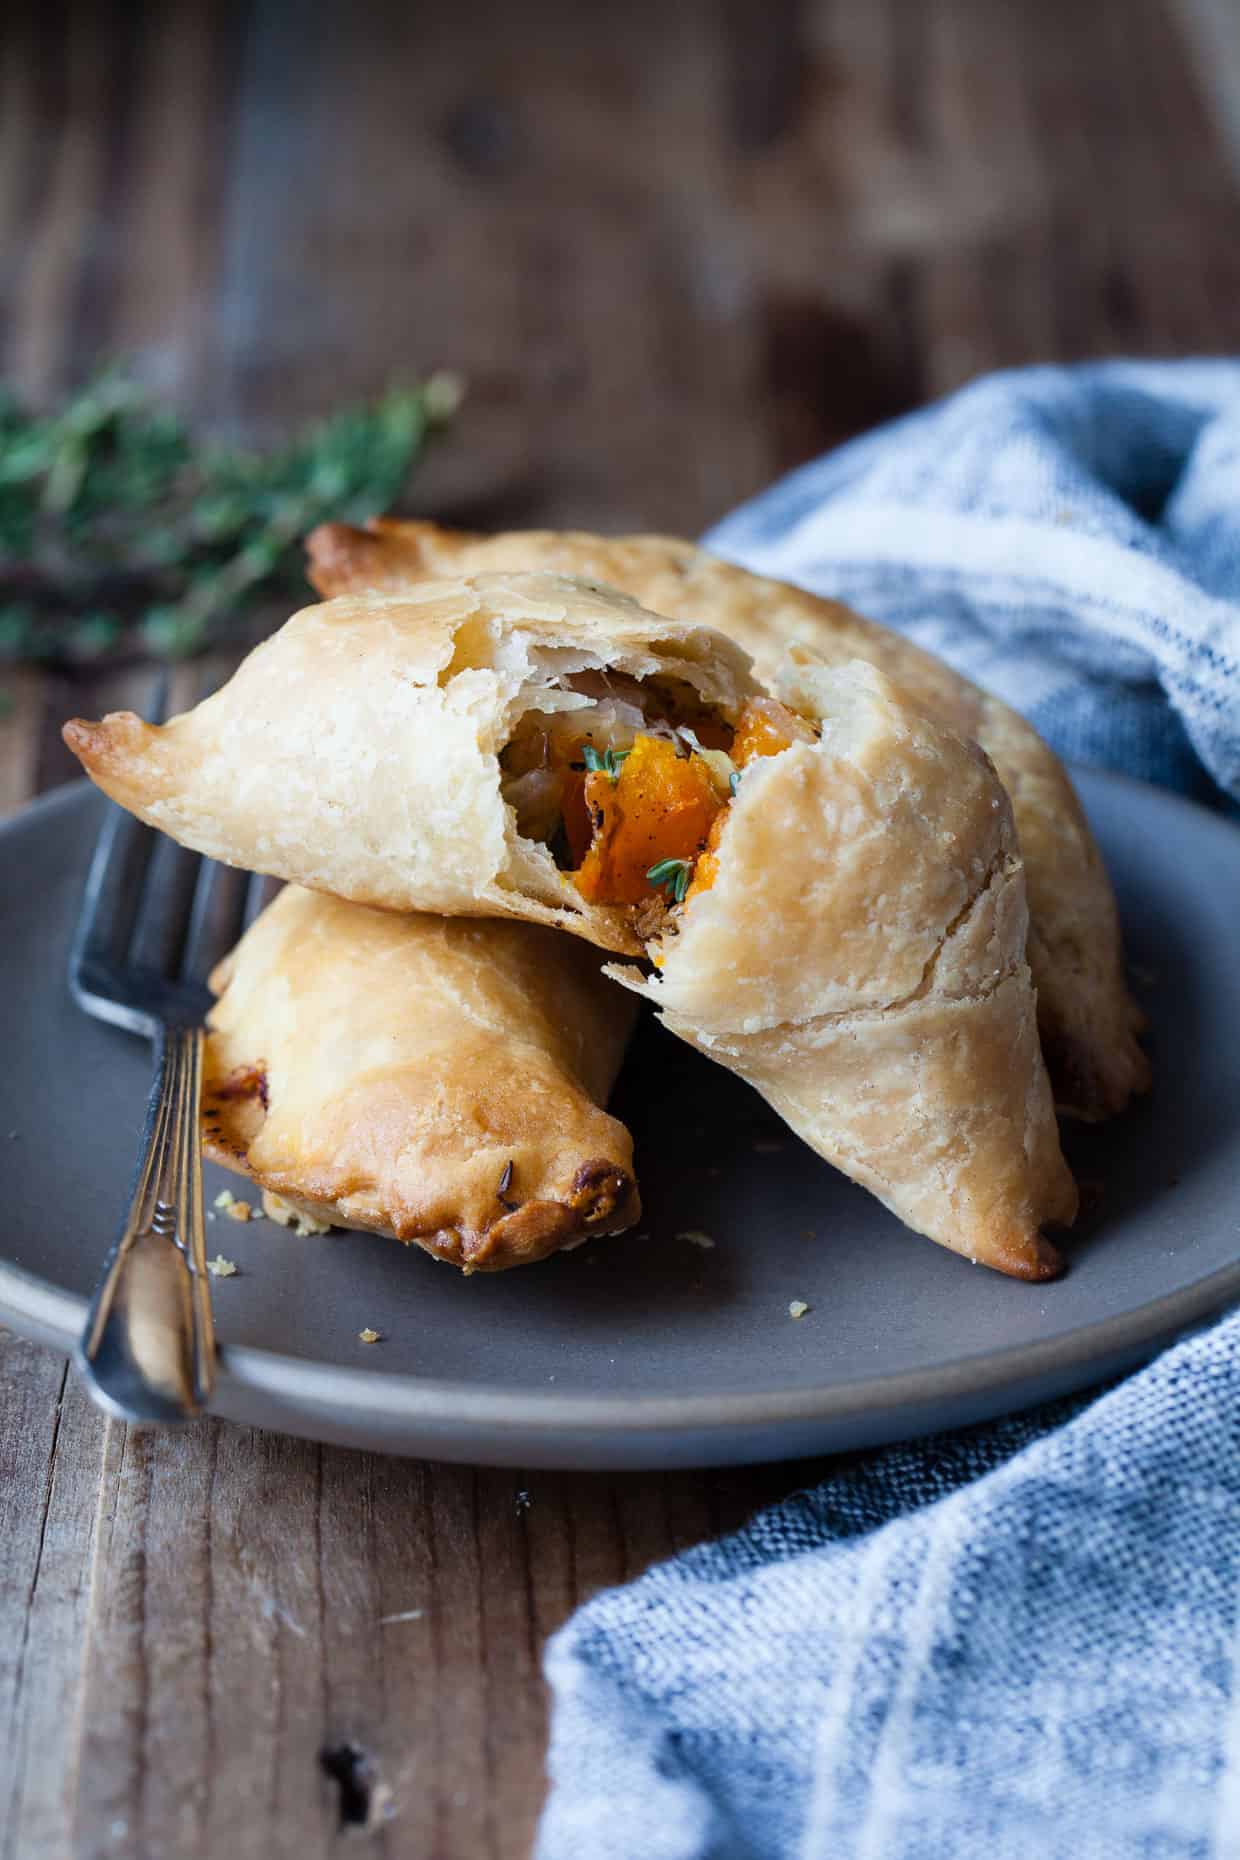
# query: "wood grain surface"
675 249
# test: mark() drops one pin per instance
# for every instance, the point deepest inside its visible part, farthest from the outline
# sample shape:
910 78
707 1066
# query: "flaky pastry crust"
356 750
440 1080
1087 1019
860 959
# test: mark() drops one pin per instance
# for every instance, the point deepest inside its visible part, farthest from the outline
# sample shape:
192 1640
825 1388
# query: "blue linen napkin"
1023 1640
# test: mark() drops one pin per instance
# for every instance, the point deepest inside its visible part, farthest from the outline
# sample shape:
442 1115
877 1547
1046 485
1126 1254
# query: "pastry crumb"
224 1199
285 1215
238 1210
369 1336
221 1268
797 1308
697 1239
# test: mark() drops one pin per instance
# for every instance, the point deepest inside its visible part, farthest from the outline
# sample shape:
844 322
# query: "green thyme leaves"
672 876
120 528
609 763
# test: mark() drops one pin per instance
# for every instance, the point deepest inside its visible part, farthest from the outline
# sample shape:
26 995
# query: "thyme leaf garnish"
672 875
609 763
121 528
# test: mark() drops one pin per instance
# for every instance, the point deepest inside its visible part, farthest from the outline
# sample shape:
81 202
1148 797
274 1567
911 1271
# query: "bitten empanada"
1087 1019
853 944
836 909
358 750
440 1080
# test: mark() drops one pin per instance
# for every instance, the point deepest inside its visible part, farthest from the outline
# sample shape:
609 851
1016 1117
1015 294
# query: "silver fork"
154 920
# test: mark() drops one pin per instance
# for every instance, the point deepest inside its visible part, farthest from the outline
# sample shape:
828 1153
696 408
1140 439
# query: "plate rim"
309 1388
56 1317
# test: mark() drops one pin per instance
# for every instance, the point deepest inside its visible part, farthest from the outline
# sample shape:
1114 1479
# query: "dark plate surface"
653 1350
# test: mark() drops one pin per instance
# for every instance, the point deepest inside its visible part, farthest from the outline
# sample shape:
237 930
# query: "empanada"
1087 1019
837 911
357 751
853 944
436 1079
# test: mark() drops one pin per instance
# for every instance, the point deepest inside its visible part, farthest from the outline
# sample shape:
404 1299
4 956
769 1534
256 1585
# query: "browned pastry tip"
343 557
1030 1257
108 750
602 1198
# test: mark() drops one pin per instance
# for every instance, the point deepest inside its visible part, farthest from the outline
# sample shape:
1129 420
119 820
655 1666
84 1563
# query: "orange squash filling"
644 821
764 728
660 806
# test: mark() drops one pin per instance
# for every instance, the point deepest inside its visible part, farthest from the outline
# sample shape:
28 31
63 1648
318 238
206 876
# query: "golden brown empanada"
856 950
838 912
436 1079
357 750
1087 1019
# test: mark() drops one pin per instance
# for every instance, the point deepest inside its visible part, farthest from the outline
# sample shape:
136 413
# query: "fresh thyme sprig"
609 763
672 876
118 528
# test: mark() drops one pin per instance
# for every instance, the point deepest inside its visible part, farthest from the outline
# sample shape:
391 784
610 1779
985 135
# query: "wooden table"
675 248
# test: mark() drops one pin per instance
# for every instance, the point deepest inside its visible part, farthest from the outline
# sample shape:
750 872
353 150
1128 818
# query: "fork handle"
148 1350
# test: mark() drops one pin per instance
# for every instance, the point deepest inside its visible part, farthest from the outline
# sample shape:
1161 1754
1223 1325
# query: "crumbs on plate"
369 1336
697 1239
221 1268
797 1308
277 1209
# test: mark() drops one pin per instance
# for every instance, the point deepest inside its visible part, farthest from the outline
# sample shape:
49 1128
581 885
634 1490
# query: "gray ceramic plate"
651 1350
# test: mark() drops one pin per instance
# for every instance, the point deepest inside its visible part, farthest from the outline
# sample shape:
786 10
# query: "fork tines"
154 922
